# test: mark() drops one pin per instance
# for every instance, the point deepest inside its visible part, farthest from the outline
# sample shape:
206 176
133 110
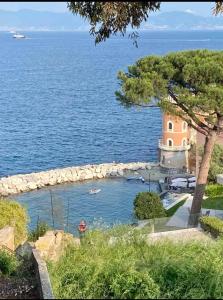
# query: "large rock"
27 182
52 245
7 238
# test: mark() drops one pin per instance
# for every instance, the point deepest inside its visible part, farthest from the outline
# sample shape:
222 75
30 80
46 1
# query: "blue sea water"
57 100
58 109
72 202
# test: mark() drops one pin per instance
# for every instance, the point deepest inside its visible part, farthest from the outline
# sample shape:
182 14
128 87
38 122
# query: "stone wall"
26 182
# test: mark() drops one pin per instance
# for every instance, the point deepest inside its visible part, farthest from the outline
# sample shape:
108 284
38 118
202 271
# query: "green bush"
147 205
13 214
133 285
213 225
8 263
213 190
40 230
216 165
134 269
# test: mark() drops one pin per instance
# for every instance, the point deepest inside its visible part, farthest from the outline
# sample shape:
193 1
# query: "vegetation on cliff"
129 268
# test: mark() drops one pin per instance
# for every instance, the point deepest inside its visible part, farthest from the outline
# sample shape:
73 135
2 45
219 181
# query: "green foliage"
213 225
8 263
110 18
40 230
216 166
182 84
170 212
133 269
213 203
134 285
213 190
147 205
178 74
13 214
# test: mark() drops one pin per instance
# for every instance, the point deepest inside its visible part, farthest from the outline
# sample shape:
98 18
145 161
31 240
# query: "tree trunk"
202 179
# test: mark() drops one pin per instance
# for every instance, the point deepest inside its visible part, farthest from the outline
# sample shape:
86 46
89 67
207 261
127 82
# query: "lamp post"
168 180
149 181
149 168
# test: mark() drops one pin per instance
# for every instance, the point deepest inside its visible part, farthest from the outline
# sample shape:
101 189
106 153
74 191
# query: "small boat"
94 191
12 31
136 178
18 36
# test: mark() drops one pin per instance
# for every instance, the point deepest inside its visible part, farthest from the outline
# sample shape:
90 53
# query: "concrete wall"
220 179
26 182
42 276
176 159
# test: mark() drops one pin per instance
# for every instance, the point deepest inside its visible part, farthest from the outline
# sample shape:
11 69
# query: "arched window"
184 126
184 142
170 126
170 142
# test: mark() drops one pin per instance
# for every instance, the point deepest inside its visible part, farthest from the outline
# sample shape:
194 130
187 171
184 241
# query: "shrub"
213 190
134 285
147 205
161 270
8 263
13 214
40 230
216 165
213 225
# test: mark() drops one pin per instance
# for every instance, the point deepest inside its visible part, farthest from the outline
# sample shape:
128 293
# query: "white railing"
173 148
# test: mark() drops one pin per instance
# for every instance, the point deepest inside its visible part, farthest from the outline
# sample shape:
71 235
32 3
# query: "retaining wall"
42 276
26 182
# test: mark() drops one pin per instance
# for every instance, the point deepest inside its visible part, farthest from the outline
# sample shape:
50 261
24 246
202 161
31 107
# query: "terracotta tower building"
175 142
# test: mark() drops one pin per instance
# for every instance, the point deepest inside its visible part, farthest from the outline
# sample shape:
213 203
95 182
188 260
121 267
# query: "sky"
200 8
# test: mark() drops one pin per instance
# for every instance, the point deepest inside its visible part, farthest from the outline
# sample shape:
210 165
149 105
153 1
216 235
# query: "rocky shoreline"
27 182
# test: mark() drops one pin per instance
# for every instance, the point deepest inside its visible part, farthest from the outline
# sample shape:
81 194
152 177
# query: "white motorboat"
136 178
179 180
18 36
94 191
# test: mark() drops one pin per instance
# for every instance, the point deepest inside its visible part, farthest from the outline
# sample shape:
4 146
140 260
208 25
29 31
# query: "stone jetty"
27 182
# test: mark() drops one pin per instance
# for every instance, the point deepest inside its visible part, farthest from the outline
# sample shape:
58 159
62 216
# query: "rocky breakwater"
27 182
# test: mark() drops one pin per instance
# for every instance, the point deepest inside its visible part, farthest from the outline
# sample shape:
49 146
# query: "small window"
170 143
184 126
163 160
184 142
170 126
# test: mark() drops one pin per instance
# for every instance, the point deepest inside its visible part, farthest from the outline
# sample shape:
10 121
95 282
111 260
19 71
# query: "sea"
57 98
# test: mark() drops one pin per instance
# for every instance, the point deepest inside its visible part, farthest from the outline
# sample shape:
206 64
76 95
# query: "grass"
40 230
213 203
132 269
170 212
14 214
8 263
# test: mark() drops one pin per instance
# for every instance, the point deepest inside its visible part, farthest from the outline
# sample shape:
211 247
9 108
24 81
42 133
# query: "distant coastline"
30 20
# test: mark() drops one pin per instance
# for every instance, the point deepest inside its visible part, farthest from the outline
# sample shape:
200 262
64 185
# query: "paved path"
180 218
182 235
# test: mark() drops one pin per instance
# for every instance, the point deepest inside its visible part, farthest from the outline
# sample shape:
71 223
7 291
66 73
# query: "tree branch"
197 121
